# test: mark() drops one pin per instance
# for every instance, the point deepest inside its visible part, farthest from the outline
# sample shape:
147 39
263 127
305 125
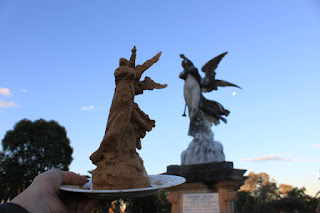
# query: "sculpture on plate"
119 166
203 112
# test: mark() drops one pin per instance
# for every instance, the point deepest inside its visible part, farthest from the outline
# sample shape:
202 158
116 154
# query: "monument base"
209 187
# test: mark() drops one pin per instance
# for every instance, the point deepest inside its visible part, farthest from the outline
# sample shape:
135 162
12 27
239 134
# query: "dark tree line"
260 194
30 149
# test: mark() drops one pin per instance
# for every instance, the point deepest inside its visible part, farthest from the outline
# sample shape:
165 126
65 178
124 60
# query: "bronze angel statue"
199 107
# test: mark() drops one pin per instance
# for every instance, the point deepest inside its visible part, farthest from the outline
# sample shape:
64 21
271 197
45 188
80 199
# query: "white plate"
157 182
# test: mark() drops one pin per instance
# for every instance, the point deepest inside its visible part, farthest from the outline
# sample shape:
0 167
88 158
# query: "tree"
256 182
284 189
260 194
12 181
298 193
30 149
268 192
157 203
246 202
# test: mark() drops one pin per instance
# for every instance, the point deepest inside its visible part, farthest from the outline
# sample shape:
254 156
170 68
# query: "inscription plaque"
201 203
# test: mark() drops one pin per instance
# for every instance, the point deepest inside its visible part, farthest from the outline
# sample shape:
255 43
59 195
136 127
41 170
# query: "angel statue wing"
209 83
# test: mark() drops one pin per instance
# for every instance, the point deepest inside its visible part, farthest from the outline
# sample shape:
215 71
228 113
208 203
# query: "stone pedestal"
218 181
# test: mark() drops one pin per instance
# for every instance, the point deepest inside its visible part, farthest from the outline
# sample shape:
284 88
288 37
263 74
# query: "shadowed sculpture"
203 112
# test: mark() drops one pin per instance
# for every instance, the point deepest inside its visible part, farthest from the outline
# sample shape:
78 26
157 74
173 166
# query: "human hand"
43 195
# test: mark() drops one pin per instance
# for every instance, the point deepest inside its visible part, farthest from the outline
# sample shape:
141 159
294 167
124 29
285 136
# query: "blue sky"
57 60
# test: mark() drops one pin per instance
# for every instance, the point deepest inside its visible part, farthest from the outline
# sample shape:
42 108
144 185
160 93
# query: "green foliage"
162 205
310 203
297 193
30 149
246 202
259 194
268 192
289 204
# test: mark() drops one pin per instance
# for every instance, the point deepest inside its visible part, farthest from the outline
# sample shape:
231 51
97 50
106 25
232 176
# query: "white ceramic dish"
157 182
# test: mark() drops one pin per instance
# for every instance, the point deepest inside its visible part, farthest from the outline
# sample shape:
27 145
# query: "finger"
72 178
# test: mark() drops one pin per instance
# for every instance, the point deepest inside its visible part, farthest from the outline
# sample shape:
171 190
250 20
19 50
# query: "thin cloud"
5 92
87 108
23 90
318 145
277 158
267 158
306 160
6 104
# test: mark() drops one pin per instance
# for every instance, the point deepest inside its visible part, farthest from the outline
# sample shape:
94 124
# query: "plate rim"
179 180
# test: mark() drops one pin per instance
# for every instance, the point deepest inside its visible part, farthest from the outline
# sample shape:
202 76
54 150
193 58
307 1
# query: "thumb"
72 178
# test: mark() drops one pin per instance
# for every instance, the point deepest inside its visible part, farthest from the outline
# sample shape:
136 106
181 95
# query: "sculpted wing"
211 65
221 83
208 82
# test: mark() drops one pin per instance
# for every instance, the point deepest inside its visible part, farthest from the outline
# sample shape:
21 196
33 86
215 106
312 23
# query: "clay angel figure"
199 107
119 166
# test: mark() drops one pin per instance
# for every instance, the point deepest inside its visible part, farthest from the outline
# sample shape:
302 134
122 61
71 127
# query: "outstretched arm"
146 65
